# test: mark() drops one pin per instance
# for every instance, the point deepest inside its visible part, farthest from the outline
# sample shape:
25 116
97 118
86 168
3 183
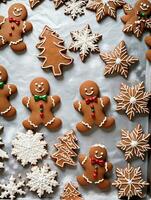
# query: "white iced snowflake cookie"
29 147
12 188
42 180
3 154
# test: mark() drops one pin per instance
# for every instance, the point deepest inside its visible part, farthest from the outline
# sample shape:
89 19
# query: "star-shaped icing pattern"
135 143
85 41
133 100
129 182
104 7
118 61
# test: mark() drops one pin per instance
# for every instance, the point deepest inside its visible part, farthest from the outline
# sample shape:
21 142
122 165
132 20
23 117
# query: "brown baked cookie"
34 3
92 108
40 105
3 1
53 52
59 3
13 27
137 19
6 90
148 42
95 167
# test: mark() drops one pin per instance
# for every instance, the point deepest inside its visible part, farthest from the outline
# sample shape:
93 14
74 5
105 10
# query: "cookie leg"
21 46
53 123
10 113
28 124
108 122
104 185
82 181
83 127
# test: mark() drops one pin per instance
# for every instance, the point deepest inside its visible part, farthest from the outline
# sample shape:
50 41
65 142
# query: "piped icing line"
15 42
32 124
79 106
99 181
53 101
101 102
6 111
1 23
101 124
86 124
106 168
9 89
2 39
24 27
50 122
85 159
28 102
86 179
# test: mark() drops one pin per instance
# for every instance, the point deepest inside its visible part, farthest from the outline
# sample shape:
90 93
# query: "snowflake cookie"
75 8
118 61
105 8
133 100
134 143
12 188
3 154
71 193
29 147
129 182
85 41
42 180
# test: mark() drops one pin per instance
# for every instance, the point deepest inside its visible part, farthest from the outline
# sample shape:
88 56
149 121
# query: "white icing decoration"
85 159
53 101
2 38
50 122
32 124
6 111
9 89
29 147
103 122
99 145
101 101
24 27
106 168
133 100
28 102
80 106
42 180
134 143
86 124
15 42
118 61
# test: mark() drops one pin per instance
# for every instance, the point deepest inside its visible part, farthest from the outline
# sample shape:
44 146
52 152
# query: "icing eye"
36 84
144 4
0 72
42 83
101 153
96 152
141 4
91 88
85 89
147 6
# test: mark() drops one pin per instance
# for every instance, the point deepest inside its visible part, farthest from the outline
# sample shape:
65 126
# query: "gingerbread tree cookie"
13 27
85 41
53 52
6 90
135 143
41 105
105 8
118 61
92 108
148 42
133 100
137 19
95 167
71 193
66 150
129 182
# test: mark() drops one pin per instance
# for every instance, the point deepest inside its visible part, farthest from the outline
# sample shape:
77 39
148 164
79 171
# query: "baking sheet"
25 67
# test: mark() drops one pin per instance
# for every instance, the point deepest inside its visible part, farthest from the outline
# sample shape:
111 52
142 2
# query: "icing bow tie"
17 22
1 85
91 100
38 98
99 162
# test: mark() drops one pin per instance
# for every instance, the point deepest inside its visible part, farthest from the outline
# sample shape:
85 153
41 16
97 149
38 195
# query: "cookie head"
39 86
98 152
18 11
89 89
3 74
144 7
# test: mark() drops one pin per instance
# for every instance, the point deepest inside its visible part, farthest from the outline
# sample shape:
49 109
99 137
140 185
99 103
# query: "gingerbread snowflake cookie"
66 150
13 27
29 147
118 61
3 154
95 167
105 8
148 42
6 90
41 104
133 100
135 143
71 193
42 180
137 19
129 182
53 52
85 42
12 189
92 107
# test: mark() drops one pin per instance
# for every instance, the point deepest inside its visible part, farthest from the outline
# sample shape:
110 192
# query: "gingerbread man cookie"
95 167
92 108
13 27
41 105
148 42
137 19
6 90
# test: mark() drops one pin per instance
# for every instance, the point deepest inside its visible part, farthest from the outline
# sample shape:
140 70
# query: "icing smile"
91 92
39 90
17 12
98 156
144 6
40 87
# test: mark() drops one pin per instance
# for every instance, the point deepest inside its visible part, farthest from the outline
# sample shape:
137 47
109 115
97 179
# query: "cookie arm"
55 100
1 19
78 106
27 26
12 88
108 167
26 101
83 160
105 101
